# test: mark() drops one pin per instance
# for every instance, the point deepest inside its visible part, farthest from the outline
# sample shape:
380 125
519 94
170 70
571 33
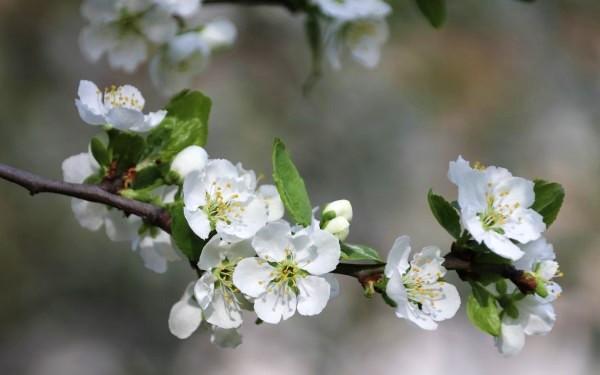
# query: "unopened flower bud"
339 227
341 208
190 159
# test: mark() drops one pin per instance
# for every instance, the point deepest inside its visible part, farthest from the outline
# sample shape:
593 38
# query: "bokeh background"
503 82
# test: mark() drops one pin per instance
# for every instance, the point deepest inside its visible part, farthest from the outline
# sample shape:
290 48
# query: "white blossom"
219 299
289 273
353 9
417 288
187 54
93 216
190 159
341 208
339 227
535 317
123 30
536 314
154 245
495 207
223 198
120 107
362 38
183 8
186 317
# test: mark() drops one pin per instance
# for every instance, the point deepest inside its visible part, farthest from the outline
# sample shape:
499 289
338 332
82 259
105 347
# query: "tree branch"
457 260
36 184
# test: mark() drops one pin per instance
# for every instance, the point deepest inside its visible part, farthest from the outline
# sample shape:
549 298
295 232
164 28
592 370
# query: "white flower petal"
269 194
121 228
222 313
152 259
446 304
535 252
276 304
502 246
198 222
253 218
204 289
129 53
219 33
524 225
212 253
158 26
271 241
185 316
397 260
314 294
89 215
194 191
427 265
190 159
323 253
125 118
334 285
539 317
511 339
457 171
95 40
77 168
252 276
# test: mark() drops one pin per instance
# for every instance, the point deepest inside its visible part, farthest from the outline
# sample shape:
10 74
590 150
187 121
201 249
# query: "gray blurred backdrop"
503 83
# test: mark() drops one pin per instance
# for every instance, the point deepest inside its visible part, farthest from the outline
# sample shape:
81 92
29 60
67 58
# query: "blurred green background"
504 83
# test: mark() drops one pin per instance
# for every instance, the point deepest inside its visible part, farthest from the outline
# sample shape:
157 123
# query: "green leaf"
149 176
549 197
290 185
359 253
126 148
445 214
100 152
186 124
314 36
483 311
185 239
434 11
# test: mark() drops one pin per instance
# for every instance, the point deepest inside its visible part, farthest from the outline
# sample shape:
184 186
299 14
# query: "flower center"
218 208
114 96
495 216
224 273
418 291
287 272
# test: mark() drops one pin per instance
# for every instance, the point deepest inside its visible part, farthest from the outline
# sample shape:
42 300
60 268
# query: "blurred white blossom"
123 29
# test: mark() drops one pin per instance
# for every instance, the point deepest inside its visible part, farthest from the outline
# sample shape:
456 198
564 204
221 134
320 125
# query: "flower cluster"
128 31
501 216
173 36
248 258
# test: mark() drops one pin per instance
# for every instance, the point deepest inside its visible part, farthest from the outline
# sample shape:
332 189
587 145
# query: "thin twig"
457 260
36 184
